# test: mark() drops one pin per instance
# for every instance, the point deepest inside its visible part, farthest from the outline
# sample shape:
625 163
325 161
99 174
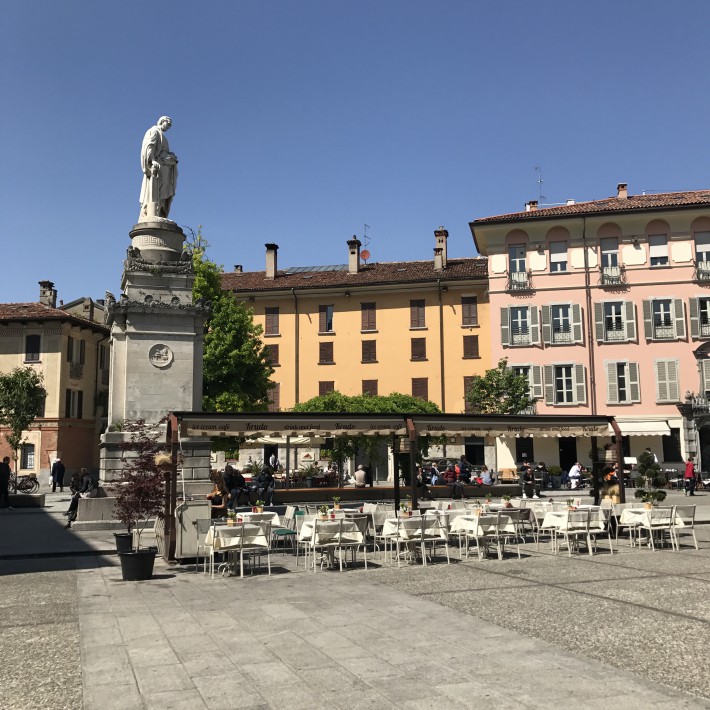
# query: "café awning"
643 427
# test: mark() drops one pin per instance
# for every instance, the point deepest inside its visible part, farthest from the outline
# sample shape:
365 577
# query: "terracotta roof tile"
370 274
611 204
40 311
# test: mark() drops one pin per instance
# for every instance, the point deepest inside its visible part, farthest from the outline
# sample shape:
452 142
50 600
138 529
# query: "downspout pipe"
619 459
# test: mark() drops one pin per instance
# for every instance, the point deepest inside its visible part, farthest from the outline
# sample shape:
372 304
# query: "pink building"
605 305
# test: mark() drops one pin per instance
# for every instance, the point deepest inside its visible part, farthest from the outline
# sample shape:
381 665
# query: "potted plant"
140 496
556 475
258 506
323 512
231 518
489 498
307 472
506 500
651 497
336 503
570 504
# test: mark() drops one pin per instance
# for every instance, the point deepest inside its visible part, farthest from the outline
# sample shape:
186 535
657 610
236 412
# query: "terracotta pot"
259 508
336 506
508 504
648 506
230 522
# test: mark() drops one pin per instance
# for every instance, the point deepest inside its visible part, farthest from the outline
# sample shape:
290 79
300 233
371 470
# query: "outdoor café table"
635 517
351 532
226 538
408 530
557 518
275 520
483 527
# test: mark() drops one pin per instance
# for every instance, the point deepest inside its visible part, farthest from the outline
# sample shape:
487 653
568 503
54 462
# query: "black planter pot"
309 482
137 566
124 541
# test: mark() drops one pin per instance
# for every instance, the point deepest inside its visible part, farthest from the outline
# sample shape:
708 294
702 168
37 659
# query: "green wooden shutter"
535 377
694 305
705 371
612 385
505 326
599 322
673 384
549 374
580 385
534 325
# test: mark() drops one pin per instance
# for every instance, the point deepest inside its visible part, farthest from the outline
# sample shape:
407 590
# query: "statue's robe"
161 188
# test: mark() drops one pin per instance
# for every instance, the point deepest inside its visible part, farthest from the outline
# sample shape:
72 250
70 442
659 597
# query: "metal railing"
612 275
700 404
702 270
76 370
562 334
663 329
532 409
519 336
519 281
614 332
704 327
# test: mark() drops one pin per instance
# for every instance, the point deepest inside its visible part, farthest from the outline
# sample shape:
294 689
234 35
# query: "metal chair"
202 527
683 522
658 522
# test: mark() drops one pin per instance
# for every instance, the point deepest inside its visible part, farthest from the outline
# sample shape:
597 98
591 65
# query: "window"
658 249
32 348
325 353
671 446
369 351
615 321
533 374
664 319
470 346
705 376
702 256
420 387
73 404
700 317
368 314
275 397
103 360
27 456
272 353
418 348
565 384
325 388
325 319
469 310
524 452
76 351
610 252
562 324
558 257
622 382
369 387
520 325
416 313
667 385
517 267
271 326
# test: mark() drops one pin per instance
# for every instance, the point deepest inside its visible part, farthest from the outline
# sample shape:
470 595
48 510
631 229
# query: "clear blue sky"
298 122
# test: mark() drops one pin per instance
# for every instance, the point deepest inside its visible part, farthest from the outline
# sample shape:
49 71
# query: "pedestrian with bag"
58 471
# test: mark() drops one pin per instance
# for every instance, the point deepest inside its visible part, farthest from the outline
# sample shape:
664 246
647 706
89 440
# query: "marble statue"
159 167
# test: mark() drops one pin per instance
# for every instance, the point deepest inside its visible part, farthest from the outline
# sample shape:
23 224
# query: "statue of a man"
159 167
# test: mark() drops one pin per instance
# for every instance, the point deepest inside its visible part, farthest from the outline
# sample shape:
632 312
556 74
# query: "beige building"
69 347
414 327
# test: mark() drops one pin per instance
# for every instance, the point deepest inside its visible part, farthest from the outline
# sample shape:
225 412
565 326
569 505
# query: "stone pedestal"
156 342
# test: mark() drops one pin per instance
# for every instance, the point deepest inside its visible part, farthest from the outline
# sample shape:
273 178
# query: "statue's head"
165 122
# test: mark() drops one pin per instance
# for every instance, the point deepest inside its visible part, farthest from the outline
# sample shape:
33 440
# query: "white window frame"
699 314
558 257
658 250
27 457
632 382
667 372
674 331
517 259
609 247
702 246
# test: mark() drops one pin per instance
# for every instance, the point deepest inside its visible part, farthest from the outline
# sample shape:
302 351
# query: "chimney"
569 202
271 260
354 245
438 259
47 293
531 206
238 268
621 192
441 236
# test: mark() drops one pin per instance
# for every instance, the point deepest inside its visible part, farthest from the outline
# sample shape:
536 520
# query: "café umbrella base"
137 566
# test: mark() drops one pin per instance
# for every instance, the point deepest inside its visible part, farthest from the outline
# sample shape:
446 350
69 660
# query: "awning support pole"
619 460
412 433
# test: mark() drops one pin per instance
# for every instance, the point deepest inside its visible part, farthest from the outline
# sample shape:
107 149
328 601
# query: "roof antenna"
540 196
365 253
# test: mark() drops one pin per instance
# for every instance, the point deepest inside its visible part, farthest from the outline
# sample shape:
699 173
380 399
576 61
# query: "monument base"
158 240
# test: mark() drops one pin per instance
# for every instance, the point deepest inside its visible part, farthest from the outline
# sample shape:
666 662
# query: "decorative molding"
160 355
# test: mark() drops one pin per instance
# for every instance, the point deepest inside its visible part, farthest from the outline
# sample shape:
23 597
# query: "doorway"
568 452
473 448
268 450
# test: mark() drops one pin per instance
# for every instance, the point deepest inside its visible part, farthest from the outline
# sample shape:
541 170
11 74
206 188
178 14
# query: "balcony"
700 404
702 271
614 332
704 327
76 370
612 276
519 281
520 336
663 329
561 335
532 409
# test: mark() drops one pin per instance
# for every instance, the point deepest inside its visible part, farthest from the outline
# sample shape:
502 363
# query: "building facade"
605 306
69 347
415 327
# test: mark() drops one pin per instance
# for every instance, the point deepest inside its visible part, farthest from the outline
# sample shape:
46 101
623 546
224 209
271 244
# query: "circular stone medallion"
160 355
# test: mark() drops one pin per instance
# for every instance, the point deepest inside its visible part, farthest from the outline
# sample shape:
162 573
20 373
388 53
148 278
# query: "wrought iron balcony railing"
702 270
612 275
562 334
520 281
614 332
520 336
663 329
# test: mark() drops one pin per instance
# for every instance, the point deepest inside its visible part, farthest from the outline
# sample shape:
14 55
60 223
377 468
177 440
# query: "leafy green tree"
236 367
345 445
22 396
499 391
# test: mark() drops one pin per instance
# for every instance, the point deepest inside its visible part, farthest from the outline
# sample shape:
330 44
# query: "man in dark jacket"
58 476
5 483
265 482
235 483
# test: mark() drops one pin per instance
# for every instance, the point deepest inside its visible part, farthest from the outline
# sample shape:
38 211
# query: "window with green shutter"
667 385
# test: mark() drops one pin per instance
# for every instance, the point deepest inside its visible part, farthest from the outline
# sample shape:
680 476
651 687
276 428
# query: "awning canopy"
643 427
279 424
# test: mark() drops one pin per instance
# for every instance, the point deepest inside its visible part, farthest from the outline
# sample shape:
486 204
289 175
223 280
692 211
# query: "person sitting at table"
218 497
360 477
265 482
423 492
450 479
434 475
575 475
486 477
236 485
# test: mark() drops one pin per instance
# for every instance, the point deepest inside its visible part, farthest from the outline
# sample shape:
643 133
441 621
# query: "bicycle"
25 484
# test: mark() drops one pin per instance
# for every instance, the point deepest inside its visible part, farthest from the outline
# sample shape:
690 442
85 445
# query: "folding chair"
658 522
574 528
684 521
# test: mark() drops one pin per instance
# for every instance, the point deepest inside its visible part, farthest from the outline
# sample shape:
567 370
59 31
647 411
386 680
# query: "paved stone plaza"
626 631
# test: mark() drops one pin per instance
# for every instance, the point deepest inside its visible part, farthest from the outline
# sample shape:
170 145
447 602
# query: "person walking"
58 471
5 484
689 477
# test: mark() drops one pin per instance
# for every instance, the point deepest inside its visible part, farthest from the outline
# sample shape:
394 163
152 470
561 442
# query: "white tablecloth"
434 525
558 519
225 537
484 524
351 532
640 516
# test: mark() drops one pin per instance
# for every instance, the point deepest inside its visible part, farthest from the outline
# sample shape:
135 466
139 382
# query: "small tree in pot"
140 494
